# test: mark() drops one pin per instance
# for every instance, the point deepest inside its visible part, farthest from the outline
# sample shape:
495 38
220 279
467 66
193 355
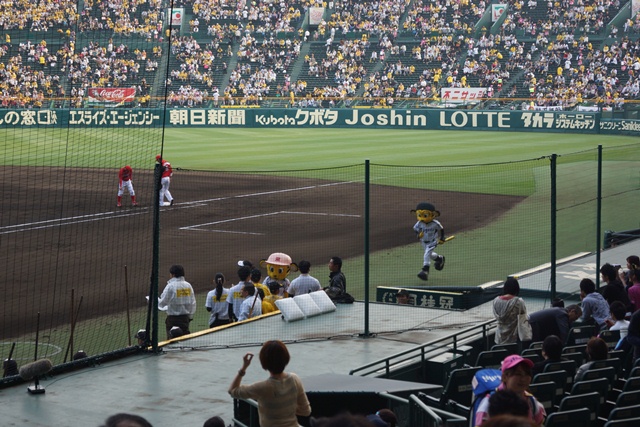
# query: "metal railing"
418 355
411 412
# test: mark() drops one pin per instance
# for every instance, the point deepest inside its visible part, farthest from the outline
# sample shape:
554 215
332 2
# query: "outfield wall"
581 122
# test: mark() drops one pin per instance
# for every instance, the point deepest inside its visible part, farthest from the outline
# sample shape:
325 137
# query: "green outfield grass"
295 149
233 149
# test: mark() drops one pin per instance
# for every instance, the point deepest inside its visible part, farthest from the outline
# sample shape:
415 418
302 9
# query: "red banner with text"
111 95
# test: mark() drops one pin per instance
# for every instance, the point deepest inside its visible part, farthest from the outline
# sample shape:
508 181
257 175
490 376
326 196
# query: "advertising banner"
110 95
315 15
177 14
460 95
417 119
497 10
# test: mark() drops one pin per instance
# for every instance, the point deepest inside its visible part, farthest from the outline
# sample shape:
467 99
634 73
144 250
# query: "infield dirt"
60 230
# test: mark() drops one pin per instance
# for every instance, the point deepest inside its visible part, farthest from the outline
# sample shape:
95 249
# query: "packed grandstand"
385 53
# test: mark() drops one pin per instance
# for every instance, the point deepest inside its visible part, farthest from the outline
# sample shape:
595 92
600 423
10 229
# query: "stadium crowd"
553 53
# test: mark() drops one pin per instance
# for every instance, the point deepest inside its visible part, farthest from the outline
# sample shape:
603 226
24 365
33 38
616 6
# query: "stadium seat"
607 373
512 348
624 413
559 378
635 372
458 386
627 365
590 401
628 398
578 353
580 335
580 348
577 358
621 400
491 358
601 386
614 363
610 337
627 422
575 418
535 358
631 384
545 393
536 345
569 366
624 363
531 352
620 354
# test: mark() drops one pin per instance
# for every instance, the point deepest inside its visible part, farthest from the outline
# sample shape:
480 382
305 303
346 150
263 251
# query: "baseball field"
73 257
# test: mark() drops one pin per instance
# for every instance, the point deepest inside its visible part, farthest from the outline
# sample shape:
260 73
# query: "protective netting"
84 264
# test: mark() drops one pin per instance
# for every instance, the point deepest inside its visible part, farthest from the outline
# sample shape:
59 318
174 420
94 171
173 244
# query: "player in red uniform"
125 182
167 172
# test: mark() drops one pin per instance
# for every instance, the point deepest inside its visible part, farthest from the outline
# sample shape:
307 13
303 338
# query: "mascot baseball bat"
35 369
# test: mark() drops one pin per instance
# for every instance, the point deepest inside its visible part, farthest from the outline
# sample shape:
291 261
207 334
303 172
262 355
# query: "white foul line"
38 225
196 226
228 220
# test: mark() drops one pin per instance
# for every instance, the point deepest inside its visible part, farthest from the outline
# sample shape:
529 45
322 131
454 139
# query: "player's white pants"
164 191
429 254
126 185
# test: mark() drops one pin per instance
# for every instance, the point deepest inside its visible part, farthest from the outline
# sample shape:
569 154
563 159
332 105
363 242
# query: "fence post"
152 313
367 180
554 219
599 217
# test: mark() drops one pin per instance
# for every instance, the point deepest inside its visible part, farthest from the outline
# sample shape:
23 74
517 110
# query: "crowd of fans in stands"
447 17
549 53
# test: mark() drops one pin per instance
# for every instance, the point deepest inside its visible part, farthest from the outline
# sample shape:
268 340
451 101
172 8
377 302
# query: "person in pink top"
634 289
623 273
516 376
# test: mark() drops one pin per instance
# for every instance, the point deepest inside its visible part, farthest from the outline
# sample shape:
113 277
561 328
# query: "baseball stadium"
141 135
